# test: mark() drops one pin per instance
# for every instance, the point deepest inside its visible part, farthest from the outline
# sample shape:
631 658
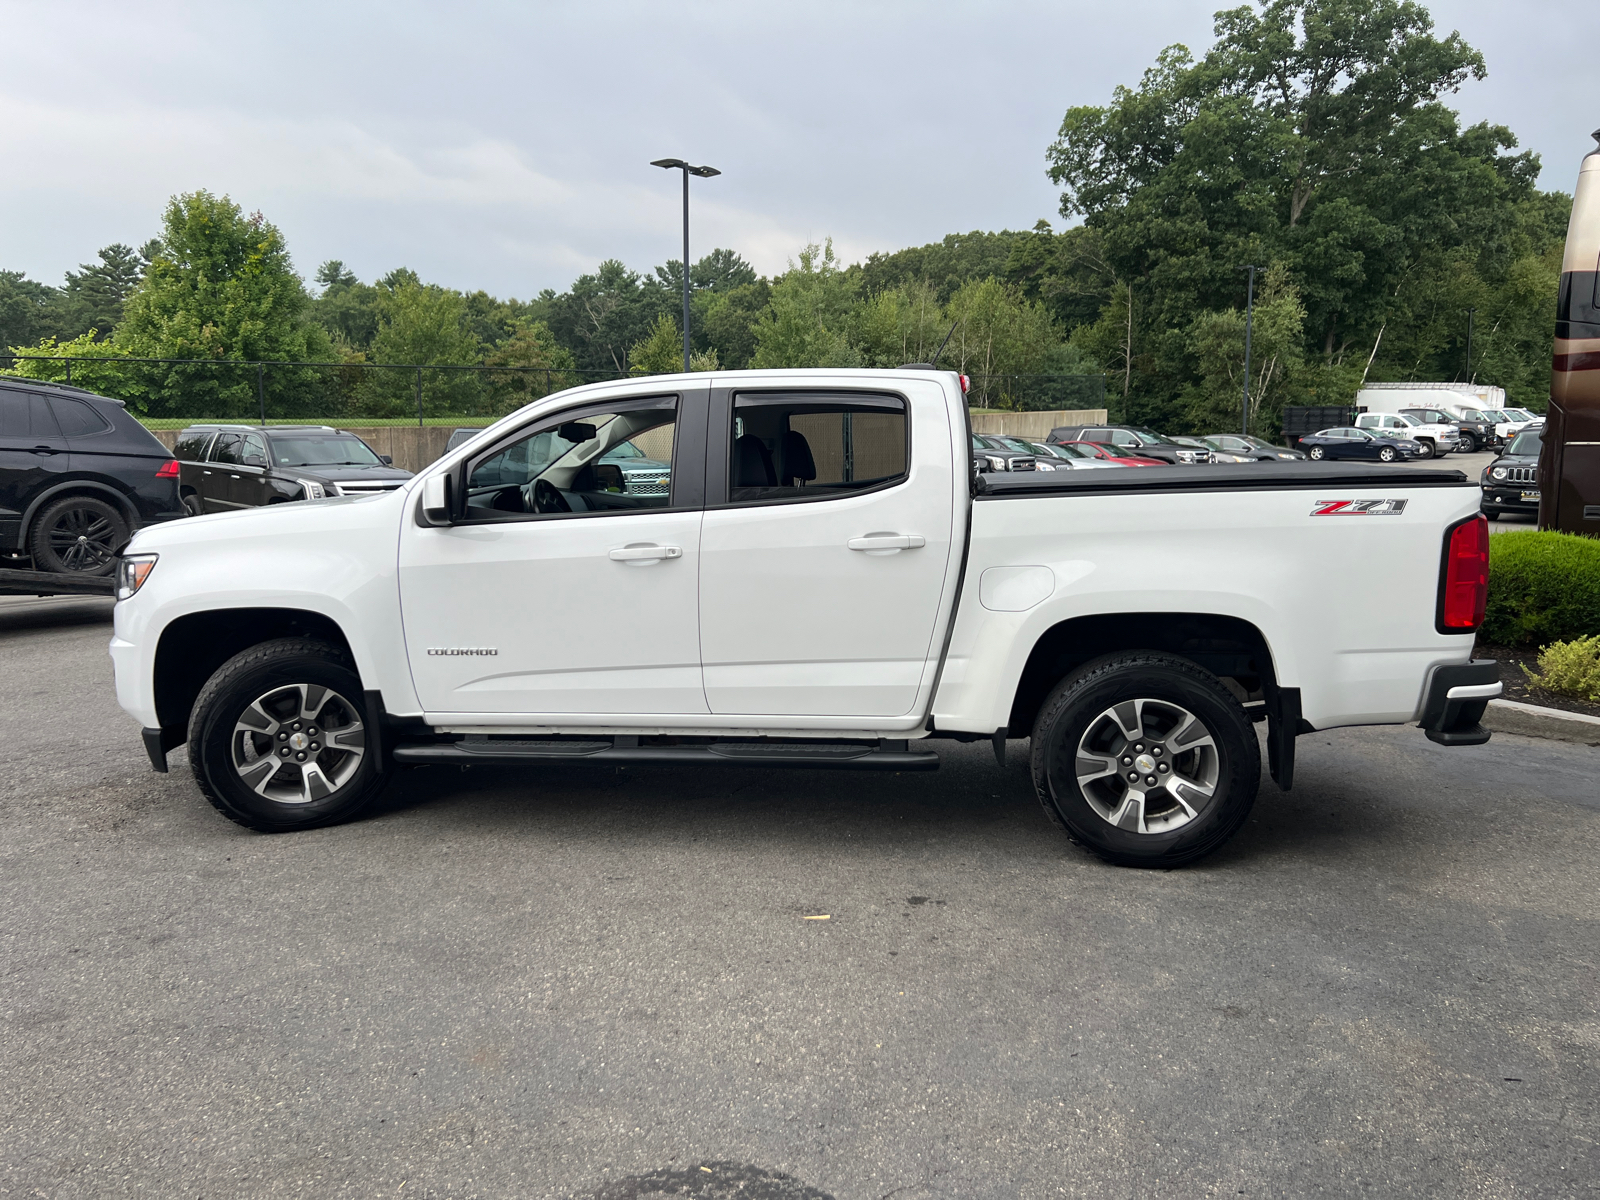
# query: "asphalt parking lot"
601 985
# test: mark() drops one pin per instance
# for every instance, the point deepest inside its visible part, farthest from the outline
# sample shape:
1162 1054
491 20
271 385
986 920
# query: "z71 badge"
1358 508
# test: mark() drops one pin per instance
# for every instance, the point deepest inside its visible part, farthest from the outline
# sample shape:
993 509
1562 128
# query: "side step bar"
884 755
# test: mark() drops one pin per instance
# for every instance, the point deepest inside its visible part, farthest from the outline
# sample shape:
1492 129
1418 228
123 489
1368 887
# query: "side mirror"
436 495
386 460
254 460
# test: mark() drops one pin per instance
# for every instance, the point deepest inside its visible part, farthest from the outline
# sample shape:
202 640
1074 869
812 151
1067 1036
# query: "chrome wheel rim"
1147 766
298 744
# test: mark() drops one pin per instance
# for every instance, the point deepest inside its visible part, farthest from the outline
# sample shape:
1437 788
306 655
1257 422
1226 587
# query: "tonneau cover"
1201 477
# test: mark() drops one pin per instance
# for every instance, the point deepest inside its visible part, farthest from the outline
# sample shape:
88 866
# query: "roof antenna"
935 360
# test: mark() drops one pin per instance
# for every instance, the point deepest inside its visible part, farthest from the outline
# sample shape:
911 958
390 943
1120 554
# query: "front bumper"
1510 498
1457 694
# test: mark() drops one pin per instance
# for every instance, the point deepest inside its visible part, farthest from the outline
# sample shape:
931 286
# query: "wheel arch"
1232 648
75 487
193 646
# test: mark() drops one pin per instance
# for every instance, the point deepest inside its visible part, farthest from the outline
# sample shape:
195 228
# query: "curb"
1530 720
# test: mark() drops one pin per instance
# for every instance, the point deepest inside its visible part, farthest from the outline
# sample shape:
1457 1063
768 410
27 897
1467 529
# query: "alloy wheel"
82 539
298 744
1147 766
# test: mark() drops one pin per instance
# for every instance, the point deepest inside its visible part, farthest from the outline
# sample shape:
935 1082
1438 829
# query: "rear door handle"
645 553
887 541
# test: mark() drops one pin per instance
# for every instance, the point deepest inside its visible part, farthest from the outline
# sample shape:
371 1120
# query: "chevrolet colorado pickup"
822 582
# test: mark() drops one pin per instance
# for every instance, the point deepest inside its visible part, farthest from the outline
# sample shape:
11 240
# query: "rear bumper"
1457 694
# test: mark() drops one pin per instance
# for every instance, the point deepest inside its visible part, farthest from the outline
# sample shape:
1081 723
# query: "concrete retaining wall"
415 446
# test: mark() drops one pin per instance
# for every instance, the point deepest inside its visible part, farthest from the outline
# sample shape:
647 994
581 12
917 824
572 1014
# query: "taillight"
169 469
966 385
1464 587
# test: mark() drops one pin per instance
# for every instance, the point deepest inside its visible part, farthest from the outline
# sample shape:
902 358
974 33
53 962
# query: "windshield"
1519 414
1528 443
622 450
1150 437
331 451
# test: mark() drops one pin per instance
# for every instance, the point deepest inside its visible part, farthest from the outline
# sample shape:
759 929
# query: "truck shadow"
21 613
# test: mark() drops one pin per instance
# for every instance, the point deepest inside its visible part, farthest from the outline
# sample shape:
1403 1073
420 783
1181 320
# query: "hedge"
1543 587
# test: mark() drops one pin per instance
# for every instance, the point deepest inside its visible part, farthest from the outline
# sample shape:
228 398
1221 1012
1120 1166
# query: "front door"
247 483
567 584
218 472
824 552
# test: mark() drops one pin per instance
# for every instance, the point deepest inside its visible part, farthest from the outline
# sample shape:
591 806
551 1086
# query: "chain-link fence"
171 392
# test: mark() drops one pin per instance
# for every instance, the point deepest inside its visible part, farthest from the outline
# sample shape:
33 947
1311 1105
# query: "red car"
1105 453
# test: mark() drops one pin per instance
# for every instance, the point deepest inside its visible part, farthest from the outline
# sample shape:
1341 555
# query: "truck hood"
270 521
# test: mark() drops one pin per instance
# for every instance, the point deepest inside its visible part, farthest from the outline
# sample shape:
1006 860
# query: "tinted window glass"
228 448
255 450
13 414
566 465
1527 443
192 447
41 422
76 418
324 451
811 446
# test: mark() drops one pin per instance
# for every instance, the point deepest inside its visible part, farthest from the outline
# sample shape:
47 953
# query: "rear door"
218 472
824 552
32 454
247 482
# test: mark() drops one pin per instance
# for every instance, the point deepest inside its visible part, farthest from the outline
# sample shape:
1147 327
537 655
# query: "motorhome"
1569 462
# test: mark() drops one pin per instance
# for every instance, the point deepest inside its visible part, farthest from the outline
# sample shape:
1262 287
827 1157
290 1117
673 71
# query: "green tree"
421 326
222 288
102 373
807 320
545 367
95 293
28 309
998 335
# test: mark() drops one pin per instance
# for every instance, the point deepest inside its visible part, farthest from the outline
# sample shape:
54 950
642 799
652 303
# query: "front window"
228 449
1527 443
562 466
813 446
317 450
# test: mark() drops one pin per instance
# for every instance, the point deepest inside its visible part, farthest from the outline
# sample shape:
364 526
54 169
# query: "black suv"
227 467
1135 439
1511 482
77 476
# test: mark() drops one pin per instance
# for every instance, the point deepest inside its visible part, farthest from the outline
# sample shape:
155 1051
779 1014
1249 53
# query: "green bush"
1543 588
1569 669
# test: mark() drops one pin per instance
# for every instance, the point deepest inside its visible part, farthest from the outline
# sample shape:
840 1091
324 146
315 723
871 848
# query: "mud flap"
1283 726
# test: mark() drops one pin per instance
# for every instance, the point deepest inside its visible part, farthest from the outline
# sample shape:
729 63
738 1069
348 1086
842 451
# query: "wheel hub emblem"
299 741
1145 763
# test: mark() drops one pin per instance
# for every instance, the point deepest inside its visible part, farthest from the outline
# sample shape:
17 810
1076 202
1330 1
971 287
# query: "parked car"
1074 458
991 454
793 605
77 476
1359 443
1252 448
228 467
1136 439
458 436
1512 421
1436 439
1205 453
1474 429
1511 482
1115 455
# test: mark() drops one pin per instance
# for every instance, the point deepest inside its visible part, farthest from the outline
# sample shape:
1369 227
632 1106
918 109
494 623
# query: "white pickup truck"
818 581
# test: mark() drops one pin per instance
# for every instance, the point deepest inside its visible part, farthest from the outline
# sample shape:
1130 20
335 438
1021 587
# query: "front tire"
78 535
1427 450
1145 759
1388 454
279 738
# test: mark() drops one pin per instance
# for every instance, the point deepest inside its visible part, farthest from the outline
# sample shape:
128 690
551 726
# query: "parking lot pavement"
593 983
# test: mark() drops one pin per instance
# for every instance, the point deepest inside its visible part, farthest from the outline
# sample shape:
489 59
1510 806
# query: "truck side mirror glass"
386 460
436 491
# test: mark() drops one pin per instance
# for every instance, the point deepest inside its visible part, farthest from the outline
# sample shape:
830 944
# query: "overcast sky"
506 145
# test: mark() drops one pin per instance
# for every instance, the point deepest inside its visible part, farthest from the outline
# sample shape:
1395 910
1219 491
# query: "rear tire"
1317 452
1183 735
298 704
78 535
192 505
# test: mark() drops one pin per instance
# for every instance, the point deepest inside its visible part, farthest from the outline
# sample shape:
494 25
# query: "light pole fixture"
1249 319
1470 311
704 173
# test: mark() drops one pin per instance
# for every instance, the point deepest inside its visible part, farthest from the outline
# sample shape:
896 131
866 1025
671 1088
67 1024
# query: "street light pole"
1470 311
704 173
1249 320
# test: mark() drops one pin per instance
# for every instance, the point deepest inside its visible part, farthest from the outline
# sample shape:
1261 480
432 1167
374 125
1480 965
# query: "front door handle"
648 553
44 450
887 541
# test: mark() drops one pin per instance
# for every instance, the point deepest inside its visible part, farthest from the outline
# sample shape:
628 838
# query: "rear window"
25 415
814 446
191 447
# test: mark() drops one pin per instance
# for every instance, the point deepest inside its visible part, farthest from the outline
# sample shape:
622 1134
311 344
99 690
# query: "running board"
837 756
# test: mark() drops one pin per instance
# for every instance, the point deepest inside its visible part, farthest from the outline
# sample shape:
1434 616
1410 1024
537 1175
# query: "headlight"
1285 456
1043 466
132 571
314 490
996 464
1499 472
